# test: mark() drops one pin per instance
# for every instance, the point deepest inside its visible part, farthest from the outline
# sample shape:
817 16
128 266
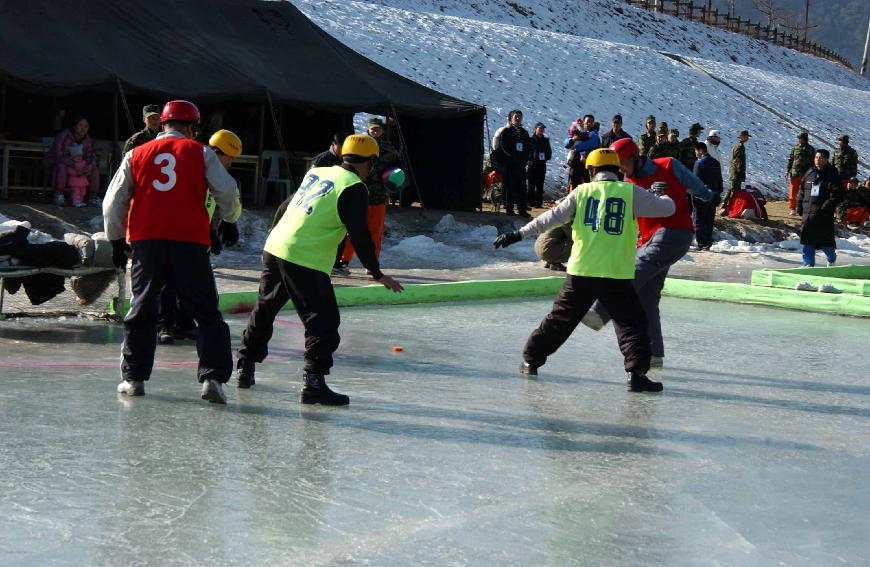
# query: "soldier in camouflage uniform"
647 140
659 150
151 118
845 159
688 145
388 157
671 148
736 168
800 159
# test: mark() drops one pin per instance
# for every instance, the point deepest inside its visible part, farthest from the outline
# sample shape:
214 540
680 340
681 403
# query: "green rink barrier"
832 303
854 280
841 304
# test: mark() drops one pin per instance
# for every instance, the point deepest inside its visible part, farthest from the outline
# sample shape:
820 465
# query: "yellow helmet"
361 145
602 157
227 142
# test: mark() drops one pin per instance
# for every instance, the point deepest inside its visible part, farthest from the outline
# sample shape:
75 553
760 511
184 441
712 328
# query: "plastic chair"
272 169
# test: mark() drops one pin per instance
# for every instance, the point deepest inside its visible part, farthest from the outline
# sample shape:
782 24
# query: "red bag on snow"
746 204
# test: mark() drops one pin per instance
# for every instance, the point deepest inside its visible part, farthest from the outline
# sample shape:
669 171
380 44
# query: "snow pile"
533 56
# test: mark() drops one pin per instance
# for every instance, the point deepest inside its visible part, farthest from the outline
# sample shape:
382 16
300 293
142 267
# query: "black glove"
120 252
658 188
229 233
506 239
216 246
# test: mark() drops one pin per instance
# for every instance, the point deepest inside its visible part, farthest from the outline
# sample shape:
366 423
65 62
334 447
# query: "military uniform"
736 168
687 152
845 159
800 159
142 136
646 142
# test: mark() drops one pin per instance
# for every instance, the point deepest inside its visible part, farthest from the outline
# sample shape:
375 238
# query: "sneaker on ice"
340 271
213 391
135 388
593 320
805 286
828 288
165 337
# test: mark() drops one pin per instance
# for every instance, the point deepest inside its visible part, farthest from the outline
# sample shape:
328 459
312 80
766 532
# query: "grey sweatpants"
651 265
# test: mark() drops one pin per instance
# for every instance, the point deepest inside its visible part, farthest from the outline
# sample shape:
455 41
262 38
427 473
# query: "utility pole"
866 43
806 20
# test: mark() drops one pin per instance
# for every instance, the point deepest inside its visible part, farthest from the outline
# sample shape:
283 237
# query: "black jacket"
610 136
708 170
325 159
515 146
540 146
817 211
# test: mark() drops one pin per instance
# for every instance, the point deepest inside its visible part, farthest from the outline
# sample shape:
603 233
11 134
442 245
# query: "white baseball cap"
713 133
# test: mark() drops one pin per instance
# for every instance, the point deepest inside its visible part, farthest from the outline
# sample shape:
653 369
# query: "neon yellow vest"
210 204
310 230
604 231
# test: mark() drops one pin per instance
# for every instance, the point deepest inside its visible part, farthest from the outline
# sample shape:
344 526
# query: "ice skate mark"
785 119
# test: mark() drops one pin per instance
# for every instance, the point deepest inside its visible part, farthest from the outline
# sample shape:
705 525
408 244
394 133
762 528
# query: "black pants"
171 313
702 215
186 268
537 172
314 299
514 184
574 299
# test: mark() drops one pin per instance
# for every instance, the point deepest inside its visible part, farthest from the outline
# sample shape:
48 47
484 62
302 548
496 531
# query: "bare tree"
768 9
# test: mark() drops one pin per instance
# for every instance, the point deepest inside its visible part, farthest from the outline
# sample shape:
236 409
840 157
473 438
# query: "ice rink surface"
756 453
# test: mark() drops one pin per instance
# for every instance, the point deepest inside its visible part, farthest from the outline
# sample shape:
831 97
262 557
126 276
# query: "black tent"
230 51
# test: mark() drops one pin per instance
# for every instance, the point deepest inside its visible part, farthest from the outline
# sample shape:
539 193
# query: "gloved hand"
120 252
658 188
229 233
506 239
216 246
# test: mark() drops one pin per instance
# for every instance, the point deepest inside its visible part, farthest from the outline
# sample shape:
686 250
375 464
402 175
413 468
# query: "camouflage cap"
663 129
804 135
150 109
675 132
375 122
843 138
650 118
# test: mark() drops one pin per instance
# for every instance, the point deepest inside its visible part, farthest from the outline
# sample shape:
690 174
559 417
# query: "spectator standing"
167 226
659 149
845 159
151 118
514 148
708 170
600 268
662 242
541 153
672 146
579 144
332 156
688 145
820 192
378 194
297 260
800 159
736 167
713 150
647 140
615 133
72 154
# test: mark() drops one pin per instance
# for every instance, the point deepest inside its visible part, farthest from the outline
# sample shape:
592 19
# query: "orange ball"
397 348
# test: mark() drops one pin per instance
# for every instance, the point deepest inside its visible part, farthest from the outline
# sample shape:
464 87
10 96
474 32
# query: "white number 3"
168 170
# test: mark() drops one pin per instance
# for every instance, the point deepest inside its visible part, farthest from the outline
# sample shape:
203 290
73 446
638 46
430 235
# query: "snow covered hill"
556 61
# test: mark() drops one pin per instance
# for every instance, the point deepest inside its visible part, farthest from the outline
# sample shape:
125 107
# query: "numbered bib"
167 163
814 191
519 146
541 156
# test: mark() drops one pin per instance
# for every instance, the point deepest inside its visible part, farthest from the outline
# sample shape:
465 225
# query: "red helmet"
180 110
625 147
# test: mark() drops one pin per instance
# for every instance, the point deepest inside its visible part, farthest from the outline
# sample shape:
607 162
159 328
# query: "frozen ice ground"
756 454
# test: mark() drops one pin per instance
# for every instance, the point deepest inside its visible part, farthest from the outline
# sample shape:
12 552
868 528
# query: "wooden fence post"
690 8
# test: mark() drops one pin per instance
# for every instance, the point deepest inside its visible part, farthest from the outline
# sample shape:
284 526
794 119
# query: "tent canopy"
235 50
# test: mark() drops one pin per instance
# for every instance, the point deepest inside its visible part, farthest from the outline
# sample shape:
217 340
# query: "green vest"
604 231
310 230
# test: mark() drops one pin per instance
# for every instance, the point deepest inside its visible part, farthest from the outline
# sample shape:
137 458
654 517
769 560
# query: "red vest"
169 190
682 218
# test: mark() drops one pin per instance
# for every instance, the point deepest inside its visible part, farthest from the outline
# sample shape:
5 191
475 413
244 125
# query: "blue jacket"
708 170
584 146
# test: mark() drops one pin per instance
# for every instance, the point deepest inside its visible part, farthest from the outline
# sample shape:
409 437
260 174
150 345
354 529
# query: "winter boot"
245 373
135 388
166 336
315 391
638 382
527 369
213 391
